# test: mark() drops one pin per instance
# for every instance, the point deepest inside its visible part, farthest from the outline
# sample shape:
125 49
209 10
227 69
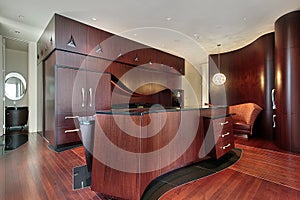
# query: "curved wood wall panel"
250 78
287 81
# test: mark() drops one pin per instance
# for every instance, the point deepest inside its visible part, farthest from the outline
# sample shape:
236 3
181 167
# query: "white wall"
205 83
1 88
192 86
32 87
17 61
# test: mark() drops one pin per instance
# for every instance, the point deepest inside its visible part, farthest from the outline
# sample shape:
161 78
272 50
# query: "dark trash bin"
87 129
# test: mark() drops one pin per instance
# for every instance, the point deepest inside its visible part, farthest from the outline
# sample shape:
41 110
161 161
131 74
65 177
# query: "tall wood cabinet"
77 62
71 91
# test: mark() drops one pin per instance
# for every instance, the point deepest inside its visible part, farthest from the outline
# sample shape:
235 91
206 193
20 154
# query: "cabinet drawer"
67 120
66 135
223 146
225 134
221 124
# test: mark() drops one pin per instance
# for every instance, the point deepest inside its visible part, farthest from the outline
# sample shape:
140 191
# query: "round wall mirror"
15 86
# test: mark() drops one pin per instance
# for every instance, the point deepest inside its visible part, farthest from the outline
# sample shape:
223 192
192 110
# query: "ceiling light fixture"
21 17
219 78
94 19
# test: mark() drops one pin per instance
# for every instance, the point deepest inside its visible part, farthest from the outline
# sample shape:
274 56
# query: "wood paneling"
161 142
46 43
287 81
250 78
67 29
74 86
101 44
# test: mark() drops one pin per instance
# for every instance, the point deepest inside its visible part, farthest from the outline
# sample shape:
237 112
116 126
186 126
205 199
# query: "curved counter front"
132 147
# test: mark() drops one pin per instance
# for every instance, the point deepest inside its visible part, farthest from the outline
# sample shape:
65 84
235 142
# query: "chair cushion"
241 126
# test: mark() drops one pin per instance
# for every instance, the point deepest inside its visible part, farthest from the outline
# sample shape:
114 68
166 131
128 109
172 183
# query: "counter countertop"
153 109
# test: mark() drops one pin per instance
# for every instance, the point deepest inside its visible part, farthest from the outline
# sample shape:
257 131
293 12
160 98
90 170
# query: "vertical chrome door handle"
82 95
91 96
273 99
274 123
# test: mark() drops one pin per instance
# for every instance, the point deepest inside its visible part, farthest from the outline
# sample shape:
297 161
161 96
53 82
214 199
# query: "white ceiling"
191 29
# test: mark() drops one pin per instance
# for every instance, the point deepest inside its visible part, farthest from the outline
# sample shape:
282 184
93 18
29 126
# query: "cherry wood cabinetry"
46 43
64 34
219 131
71 91
69 35
145 145
287 81
78 61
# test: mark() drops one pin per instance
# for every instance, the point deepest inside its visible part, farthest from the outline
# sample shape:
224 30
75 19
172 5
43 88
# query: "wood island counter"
132 147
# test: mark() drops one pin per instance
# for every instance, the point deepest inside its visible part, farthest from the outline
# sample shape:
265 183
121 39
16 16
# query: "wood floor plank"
259 174
278 167
34 171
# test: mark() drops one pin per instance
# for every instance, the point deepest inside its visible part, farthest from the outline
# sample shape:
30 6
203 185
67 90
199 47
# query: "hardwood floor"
33 171
259 174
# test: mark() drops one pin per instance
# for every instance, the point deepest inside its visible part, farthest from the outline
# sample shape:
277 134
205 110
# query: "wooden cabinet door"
49 100
70 103
70 35
71 97
98 43
98 89
46 43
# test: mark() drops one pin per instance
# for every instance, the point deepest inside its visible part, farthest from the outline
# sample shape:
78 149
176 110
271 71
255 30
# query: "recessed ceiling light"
135 34
169 18
94 19
21 17
196 36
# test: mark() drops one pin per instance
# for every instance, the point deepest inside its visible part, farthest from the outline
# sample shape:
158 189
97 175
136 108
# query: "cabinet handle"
71 42
91 96
71 131
274 123
226 146
82 95
224 123
71 117
273 99
223 135
99 49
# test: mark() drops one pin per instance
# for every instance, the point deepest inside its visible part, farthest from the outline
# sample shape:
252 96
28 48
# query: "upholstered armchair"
244 117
